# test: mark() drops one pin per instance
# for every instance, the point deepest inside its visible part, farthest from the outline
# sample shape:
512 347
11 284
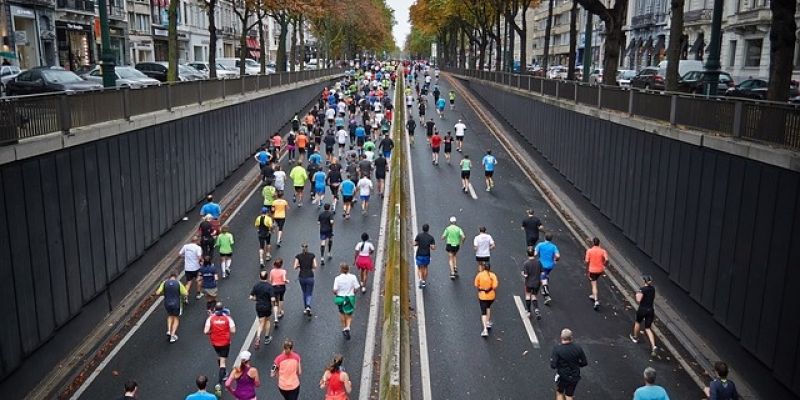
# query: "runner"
201 393
211 208
386 145
263 158
369 150
279 208
645 314
411 126
330 116
263 296
364 189
334 181
306 262
421 108
302 144
548 255
220 328
365 166
361 136
721 388
486 283
466 166
192 257
344 288
651 391
225 246
489 162
208 234
596 261
277 278
341 141
448 146
441 104
319 178
174 294
430 129
299 177
335 381
453 237
381 166
245 377
436 93
424 243
287 369
460 129
348 188
363 259
567 359
291 146
532 226
483 243
435 142
209 277
275 146
532 272
452 97
325 221
263 226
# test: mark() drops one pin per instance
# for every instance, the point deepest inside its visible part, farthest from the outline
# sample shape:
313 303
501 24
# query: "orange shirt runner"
597 258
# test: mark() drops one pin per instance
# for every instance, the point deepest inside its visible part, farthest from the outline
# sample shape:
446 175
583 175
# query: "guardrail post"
223 84
541 87
738 111
557 87
630 102
241 84
673 107
280 78
529 83
576 92
126 103
64 115
168 93
600 97
200 92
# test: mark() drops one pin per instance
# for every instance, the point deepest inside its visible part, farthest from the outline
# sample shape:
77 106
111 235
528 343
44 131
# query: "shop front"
160 44
118 41
75 45
33 36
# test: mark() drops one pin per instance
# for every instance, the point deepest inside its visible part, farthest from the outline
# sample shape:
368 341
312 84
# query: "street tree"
210 8
674 46
614 20
172 41
782 38
547 29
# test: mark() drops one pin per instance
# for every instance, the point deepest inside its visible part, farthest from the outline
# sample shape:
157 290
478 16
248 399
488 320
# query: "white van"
684 66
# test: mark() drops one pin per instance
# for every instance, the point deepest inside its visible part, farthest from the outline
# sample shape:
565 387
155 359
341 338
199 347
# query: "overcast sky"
401 15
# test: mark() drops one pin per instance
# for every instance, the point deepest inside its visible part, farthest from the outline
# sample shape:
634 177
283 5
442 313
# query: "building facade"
647 33
140 35
28 32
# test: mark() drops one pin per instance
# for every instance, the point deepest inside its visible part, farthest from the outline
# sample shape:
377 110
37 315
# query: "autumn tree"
782 37
210 8
245 10
674 46
547 29
520 7
614 20
172 41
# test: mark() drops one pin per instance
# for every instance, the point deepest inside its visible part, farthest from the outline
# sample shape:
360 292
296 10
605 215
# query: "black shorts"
222 351
464 174
301 150
263 312
347 199
225 254
566 388
594 276
264 240
488 174
328 150
435 150
380 176
280 222
532 289
173 310
191 275
452 249
645 317
482 259
334 191
278 291
531 240
448 148
485 305
360 140
460 138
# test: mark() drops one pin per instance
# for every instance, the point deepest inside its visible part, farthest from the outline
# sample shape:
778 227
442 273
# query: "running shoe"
199 296
597 306
346 334
489 325
633 339
484 333
168 334
488 189
173 338
452 277
654 352
363 289
322 261
538 314
267 340
547 300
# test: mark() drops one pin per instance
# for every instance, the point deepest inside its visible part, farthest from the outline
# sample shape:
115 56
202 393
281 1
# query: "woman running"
288 370
466 166
245 378
306 263
344 288
448 146
335 381
363 259
290 146
224 244
277 278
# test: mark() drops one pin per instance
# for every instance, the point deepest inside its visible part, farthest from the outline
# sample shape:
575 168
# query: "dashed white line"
472 191
526 321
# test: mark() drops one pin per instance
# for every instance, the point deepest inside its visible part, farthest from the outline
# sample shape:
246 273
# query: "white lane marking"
424 364
88 382
365 387
472 191
247 340
526 321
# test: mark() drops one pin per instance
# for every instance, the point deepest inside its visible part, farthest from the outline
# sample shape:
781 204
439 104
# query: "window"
752 52
731 53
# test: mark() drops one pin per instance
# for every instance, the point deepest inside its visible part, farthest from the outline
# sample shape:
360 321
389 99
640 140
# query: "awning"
256 54
649 45
631 48
9 55
659 44
253 44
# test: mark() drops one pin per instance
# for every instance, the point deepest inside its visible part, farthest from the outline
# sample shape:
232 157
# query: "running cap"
245 355
453 220
264 210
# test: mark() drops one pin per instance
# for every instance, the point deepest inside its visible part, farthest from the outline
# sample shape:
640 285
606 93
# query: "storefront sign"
76 27
160 32
22 12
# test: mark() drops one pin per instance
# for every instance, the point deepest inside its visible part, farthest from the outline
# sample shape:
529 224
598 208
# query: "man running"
268 193
483 243
264 227
334 181
279 208
411 126
211 208
436 142
174 292
645 314
448 146
386 146
208 281
441 104
348 188
567 359
220 328
452 97
424 243
453 237
381 166
596 261
532 226
486 282
460 128
548 255
466 167
299 177
341 141
319 178
306 263
262 295
430 129
489 161
364 188
325 221
532 272
192 256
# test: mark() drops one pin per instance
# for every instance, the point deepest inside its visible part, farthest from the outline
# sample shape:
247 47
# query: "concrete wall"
725 228
73 220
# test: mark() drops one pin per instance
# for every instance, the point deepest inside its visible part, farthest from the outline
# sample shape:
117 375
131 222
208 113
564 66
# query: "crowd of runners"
334 158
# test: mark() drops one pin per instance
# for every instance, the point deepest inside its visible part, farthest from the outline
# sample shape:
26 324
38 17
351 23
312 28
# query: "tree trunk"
211 7
293 52
482 54
262 56
243 44
510 37
301 36
674 47
573 41
498 44
172 41
523 39
781 49
614 39
280 59
462 56
547 29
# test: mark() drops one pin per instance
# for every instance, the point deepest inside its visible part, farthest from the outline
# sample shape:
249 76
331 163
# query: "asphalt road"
506 365
168 371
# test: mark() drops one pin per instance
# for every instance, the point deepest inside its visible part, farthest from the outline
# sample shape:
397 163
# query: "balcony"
116 12
81 6
643 20
695 16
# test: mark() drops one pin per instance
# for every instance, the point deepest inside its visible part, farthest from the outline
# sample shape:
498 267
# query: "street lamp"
107 59
713 64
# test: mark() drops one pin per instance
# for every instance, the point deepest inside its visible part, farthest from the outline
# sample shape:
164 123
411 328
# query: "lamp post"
107 59
712 63
587 47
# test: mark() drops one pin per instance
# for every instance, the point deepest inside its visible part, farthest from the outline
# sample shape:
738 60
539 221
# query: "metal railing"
771 122
23 117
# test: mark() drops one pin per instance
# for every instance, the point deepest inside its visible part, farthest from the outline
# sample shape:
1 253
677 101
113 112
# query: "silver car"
7 73
223 72
126 77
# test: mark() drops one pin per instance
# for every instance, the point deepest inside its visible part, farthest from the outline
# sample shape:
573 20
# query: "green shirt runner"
452 235
466 164
225 243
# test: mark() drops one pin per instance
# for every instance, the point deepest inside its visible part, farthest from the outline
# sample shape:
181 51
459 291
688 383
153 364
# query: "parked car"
756 88
557 72
48 79
596 76
189 73
684 66
694 81
222 71
648 78
624 77
158 70
7 73
251 67
126 77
